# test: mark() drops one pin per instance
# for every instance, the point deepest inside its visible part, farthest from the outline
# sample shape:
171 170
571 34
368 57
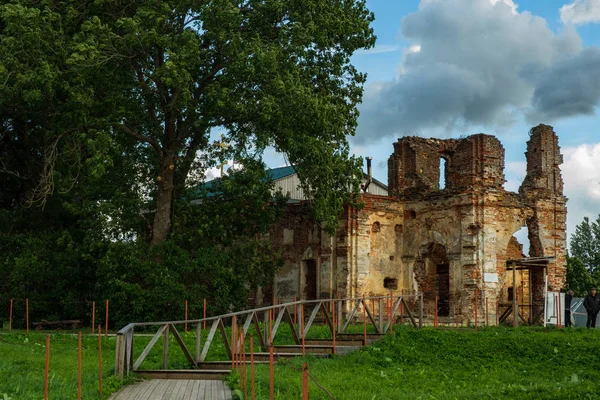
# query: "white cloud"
380 48
515 172
509 3
581 176
480 63
215 172
580 12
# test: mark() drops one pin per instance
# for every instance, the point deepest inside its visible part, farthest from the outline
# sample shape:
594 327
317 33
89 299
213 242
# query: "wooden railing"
382 312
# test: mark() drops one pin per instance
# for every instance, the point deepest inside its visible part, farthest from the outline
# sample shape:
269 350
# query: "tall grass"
493 363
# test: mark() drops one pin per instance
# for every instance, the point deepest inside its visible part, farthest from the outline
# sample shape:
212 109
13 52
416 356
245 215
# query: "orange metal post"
204 313
333 323
392 312
487 322
435 313
244 365
79 367
476 306
27 314
271 373
271 316
390 316
305 381
47 367
11 312
252 368
100 359
186 316
364 321
93 316
106 322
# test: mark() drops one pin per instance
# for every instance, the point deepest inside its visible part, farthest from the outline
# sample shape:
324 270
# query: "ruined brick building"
439 242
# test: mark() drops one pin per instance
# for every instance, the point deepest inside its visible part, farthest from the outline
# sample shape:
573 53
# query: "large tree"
585 244
168 73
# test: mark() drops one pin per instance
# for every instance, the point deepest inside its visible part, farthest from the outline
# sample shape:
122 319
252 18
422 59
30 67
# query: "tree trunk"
164 201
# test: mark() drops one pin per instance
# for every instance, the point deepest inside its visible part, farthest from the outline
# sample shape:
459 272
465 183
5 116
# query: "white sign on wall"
490 277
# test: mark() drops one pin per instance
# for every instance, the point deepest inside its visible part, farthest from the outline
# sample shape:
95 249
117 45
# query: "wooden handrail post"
198 341
402 308
302 330
165 360
106 324
185 316
204 311
120 356
380 303
233 339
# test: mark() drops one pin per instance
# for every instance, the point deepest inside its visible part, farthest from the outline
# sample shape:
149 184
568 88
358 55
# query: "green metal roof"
281 172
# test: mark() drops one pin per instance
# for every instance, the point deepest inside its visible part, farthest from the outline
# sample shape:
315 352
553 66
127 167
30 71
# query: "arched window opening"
442 173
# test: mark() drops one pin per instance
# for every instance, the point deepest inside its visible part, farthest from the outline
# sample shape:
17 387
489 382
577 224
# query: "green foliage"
579 279
524 363
585 244
111 103
160 76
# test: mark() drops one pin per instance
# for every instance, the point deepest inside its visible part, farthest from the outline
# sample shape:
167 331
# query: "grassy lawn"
502 363
526 363
22 363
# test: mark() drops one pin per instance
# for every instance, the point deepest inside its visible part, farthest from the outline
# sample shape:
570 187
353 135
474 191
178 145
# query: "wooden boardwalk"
174 389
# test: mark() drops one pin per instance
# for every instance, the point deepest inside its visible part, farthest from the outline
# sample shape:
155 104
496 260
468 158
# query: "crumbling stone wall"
446 243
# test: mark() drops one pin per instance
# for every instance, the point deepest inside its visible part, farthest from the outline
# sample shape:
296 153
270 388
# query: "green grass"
22 364
22 360
493 363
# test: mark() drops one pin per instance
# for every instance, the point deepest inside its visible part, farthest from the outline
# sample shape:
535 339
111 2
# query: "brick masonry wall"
400 240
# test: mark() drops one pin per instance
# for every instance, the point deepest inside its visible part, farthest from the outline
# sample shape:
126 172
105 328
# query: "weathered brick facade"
442 242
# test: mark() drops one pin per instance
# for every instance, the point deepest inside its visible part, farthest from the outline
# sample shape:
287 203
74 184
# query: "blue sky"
543 63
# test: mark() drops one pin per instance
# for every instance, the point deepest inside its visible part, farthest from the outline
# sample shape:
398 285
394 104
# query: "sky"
452 68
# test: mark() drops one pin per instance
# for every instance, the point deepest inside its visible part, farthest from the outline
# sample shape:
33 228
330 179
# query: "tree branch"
142 138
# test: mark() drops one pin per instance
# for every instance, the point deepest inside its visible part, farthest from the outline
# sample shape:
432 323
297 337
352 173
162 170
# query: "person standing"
568 300
592 306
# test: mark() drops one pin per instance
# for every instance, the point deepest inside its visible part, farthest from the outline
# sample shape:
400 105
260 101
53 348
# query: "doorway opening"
443 289
310 282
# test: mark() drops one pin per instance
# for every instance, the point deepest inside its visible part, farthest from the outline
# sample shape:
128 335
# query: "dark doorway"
443 289
310 286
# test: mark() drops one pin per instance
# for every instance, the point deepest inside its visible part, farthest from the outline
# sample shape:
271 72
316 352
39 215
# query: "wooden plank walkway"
174 389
